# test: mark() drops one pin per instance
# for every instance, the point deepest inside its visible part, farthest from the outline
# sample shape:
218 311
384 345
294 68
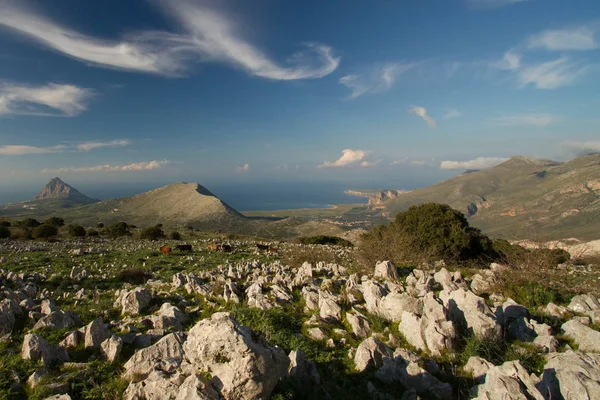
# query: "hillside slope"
522 198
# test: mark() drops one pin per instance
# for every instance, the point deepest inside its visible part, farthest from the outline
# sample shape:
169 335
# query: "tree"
153 233
44 232
117 230
427 232
76 231
4 232
56 221
29 223
175 236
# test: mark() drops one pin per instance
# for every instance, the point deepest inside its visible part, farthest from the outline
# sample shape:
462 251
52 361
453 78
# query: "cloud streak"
492 3
208 36
477 163
243 168
565 39
18 150
422 113
539 120
377 80
349 157
141 166
51 99
577 149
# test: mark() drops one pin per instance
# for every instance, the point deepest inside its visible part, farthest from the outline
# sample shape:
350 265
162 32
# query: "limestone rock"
303 372
386 270
96 333
134 301
195 387
166 355
58 320
360 325
370 354
583 304
392 306
169 316
470 311
111 348
241 366
37 348
585 337
510 381
478 368
572 375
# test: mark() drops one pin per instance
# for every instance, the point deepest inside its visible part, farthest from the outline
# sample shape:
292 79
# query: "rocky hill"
55 197
180 203
522 198
57 189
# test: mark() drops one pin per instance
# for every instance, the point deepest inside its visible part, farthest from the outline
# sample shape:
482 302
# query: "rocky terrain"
522 198
100 318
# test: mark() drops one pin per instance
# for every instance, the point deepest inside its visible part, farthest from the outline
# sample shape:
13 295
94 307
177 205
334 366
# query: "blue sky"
373 93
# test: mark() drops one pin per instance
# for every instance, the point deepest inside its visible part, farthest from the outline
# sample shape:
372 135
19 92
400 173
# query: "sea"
261 196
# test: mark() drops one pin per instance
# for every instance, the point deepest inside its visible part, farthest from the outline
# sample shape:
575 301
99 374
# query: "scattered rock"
585 337
36 348
370 354
111 348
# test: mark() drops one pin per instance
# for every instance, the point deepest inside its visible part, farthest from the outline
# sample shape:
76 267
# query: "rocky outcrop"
165 355
370 354
572 375
471 312
242 367
36 348
133 302
510 381
585 337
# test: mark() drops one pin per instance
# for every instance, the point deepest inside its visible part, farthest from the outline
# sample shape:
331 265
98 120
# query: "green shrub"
29 223
44 232
322 239
175 236
4 232
117 230
20 233
152 233
56 221
93 232
427 232
76 231
6 224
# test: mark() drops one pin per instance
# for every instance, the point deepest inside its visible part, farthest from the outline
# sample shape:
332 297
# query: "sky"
375 94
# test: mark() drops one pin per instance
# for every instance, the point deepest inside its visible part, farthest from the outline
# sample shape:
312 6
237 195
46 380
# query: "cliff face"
57 189
375 197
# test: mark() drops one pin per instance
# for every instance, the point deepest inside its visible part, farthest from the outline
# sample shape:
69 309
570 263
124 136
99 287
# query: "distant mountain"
54 198
522 198
57 189
179 203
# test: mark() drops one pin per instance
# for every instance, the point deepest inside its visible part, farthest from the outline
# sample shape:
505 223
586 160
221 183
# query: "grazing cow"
213 247
226 248
262 247
166 250
184 247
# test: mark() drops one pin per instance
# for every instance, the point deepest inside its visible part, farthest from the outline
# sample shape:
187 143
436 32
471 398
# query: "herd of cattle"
220 247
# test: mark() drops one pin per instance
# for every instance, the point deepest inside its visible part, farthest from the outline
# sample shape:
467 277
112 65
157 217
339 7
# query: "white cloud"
540 120
87 146
17 150
422 112
407 161
551 74
141 166
492 3
576 149
478 163
379 79
575 39
453 114
208 35
48 100
243 168
349 157
370 163
510 61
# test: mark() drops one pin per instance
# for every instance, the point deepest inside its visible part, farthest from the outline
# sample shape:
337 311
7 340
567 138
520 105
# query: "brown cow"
166 250
213 247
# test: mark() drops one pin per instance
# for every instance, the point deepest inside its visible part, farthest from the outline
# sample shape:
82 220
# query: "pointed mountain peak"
57 189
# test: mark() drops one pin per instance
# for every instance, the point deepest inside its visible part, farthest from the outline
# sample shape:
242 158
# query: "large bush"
44 232
28 223
76 231
4 232
425 233
6 224
117 230
56 221
153 233
322 239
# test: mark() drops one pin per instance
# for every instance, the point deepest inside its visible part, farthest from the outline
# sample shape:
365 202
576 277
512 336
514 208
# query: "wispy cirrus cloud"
582 38
18 150
539 120
422 112
140 166
484 4
453 113
377 79
208 35
243 168
349 157
477 163
576 149
51 99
